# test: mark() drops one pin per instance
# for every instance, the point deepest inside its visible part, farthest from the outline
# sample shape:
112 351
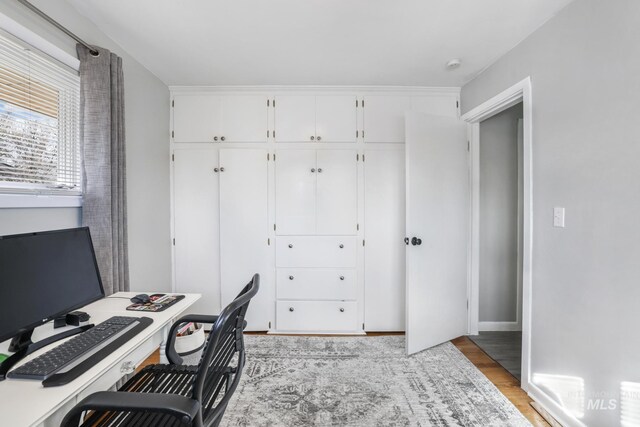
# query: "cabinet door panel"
244 118
295 192
295 118
197 250
384 227
336 118
197 118
244 230
436 105
384 118
337 189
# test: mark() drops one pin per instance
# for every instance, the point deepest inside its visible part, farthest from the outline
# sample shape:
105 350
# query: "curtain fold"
102 137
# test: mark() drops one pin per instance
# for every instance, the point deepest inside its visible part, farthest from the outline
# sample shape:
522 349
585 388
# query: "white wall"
585 70
498 280
147 131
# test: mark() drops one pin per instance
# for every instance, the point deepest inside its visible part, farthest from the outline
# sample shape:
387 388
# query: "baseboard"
499 326
553 408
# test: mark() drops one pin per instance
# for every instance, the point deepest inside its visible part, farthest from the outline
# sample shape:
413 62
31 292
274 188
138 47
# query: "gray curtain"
102 139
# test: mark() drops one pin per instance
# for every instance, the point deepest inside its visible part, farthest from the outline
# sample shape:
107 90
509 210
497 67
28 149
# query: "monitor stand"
22 346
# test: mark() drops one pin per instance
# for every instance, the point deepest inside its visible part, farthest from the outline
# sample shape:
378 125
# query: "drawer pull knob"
313 170
313 137
216 169
222 138
290 246
319 170
319 138
341 277
215 138
290 308
341 310
341 246
290 277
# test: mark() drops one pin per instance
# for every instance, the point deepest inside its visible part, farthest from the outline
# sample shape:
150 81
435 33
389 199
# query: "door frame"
520 92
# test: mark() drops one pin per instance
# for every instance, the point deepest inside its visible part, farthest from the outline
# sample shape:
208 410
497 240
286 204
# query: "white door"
336 118
295 192
384 118
244 118
437 105
196 232
437 188
244 230
384 231
295 118
337 192
197 118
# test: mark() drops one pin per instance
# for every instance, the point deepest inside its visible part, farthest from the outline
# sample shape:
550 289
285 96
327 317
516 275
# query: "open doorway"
500 238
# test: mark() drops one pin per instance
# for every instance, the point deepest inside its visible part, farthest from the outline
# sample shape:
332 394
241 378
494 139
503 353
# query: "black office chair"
175 394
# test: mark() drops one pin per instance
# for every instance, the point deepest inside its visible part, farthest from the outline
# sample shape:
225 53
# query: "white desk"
27 403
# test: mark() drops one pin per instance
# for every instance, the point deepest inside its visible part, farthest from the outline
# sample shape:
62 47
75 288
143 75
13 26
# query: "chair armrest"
182 407
170 350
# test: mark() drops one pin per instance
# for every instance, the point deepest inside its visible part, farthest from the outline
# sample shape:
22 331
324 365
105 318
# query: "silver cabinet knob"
341 277
290 308
290 277
341 310
215 138
221 169
319 170
313 137
216 170
313 170
319 138
290 246
222 138
341 246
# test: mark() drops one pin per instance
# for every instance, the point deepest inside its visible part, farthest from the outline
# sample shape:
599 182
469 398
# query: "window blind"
39 121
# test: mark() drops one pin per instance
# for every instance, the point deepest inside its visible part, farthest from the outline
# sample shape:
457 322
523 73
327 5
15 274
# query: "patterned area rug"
363 381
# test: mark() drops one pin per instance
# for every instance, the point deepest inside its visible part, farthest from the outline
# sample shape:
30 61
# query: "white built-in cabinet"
305 187
220 118
316 192
320 118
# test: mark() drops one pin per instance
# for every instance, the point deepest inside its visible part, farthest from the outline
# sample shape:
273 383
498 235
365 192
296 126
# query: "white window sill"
8 200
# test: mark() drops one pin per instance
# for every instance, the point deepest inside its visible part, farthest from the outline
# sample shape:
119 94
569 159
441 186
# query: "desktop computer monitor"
43 276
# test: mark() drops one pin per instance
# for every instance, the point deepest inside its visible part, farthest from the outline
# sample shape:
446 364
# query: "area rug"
362 381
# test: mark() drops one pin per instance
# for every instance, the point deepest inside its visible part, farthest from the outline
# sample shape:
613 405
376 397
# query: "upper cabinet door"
244 118
336 118
436 105
384 118
295 192
337 192
295 118
197 118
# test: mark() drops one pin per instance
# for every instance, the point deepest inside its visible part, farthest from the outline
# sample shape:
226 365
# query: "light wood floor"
500 377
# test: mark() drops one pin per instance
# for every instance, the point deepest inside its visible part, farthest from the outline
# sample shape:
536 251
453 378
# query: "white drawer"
316 251
316 284
316 316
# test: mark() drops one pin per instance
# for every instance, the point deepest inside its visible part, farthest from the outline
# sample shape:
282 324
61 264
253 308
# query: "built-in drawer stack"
316 286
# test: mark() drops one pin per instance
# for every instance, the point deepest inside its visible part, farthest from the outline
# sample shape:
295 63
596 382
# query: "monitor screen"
45 275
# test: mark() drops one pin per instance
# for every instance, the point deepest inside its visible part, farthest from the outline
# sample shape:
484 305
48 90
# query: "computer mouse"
141 299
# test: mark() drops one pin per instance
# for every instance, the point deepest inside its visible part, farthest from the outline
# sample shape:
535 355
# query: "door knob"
290 246
290 308
222 138
319 170
341 246
313 137
406 241
221 169
415 241
215 138
341 277
313 170
318 138
216 169
341 310
290 277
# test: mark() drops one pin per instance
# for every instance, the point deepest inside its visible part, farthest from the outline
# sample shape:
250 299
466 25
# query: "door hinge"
173 157
274 132
363 133
274 156
269 325
363 102
274 103
363 154
173 134
268 101
268 157
363 326
468 146
357 157
457 104
173 103
274 227
356 103
356 134
357 227
267 134
268 242
362 242
174 242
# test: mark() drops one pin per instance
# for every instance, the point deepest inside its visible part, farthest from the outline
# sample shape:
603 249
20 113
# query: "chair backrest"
218 372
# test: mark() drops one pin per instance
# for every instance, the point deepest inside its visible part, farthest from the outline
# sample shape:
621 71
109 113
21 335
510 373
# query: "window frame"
32 198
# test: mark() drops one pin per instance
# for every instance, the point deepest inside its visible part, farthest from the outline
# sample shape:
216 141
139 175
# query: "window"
39 122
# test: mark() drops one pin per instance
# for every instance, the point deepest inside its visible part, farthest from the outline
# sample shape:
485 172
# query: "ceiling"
317 42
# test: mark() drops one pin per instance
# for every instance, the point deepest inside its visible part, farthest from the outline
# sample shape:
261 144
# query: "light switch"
558 217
